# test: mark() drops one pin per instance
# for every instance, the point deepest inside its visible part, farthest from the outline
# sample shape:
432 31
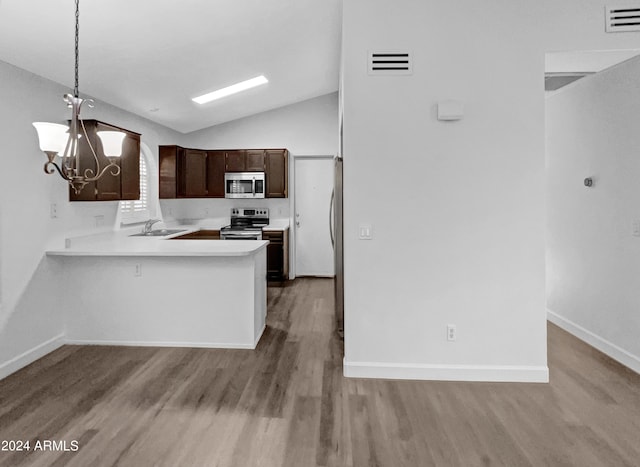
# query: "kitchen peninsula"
145 291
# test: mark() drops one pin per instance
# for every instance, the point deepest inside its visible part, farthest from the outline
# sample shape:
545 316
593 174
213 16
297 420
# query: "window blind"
138 208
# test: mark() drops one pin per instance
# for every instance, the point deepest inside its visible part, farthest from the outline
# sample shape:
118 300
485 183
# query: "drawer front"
273 236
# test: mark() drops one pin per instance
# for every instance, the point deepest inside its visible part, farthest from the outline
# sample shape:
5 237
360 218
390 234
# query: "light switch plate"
450 110
365 232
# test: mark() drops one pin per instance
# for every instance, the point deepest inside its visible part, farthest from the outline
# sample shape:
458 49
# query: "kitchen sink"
158 233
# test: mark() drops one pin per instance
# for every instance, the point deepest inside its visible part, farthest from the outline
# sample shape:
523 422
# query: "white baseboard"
618 354
319 275
31 356
124 343
494 373
259 336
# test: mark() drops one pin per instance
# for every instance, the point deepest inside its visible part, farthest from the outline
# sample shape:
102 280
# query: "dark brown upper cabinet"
168 168
235 161
245 160
254 160
215 173
194 173
277 172
125 185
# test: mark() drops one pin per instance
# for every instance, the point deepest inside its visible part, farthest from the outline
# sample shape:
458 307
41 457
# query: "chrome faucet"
149 224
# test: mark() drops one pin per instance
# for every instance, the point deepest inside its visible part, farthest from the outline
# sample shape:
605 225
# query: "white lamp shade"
52 136
111 142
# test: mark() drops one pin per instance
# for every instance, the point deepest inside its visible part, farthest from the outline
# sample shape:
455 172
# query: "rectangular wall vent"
390 63
623 18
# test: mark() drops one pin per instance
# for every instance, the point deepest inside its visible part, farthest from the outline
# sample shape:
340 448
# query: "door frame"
292 207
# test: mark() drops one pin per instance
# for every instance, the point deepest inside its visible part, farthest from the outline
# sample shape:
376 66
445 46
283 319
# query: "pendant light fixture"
58 140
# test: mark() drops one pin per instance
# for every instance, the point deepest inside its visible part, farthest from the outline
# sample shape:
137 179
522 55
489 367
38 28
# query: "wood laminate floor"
287 404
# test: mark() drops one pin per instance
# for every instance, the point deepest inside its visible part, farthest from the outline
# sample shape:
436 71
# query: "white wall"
593 258
176 302
29 317
306 128
474 252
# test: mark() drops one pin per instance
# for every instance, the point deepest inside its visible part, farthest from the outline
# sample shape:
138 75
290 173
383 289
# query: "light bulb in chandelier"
52 137
111 142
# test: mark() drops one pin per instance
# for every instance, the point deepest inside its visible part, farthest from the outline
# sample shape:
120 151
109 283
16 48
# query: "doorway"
593 226
314 179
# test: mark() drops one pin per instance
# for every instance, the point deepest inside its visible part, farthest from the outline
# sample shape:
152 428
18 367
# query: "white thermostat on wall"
450 110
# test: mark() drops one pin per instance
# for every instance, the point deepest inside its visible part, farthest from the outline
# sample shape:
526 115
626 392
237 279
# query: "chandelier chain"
53 136
75 89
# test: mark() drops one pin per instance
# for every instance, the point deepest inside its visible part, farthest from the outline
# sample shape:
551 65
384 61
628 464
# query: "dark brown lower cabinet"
277 254
203 234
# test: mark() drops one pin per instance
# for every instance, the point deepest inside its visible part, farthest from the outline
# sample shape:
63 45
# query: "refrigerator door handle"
331 221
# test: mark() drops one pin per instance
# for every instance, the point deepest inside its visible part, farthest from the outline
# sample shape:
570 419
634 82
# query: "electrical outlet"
53 211
636 228
451 332
138 270
99 221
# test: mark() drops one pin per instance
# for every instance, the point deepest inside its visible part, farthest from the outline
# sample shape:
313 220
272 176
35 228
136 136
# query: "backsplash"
178 209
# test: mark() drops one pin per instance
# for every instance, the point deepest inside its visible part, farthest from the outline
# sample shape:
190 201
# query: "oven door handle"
232 236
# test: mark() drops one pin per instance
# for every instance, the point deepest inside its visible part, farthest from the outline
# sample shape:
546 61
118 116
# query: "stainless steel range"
246 224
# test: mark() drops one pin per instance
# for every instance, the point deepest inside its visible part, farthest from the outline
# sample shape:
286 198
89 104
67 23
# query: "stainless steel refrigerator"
335 228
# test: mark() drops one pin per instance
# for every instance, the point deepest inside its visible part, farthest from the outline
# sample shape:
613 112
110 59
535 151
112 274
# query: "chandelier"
61 141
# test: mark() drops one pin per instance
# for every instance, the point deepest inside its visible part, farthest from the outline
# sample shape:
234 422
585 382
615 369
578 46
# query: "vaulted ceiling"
151 57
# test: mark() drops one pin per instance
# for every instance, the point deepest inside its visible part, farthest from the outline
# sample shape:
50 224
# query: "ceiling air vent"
623 18
390 63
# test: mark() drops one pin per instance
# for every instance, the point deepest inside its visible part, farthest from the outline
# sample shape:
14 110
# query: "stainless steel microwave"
244 185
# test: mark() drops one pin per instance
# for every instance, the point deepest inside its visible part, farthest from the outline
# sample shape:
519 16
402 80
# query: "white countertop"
277 224
120 243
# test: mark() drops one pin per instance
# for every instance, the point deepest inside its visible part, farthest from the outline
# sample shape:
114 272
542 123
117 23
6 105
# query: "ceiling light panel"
233 89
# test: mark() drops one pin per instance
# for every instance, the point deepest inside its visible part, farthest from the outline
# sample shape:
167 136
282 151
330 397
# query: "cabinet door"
275 255
130 166
254 161
276 172
192 176
235 161
168 165
215 173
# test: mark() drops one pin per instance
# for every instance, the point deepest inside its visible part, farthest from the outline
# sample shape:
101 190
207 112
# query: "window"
138 210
